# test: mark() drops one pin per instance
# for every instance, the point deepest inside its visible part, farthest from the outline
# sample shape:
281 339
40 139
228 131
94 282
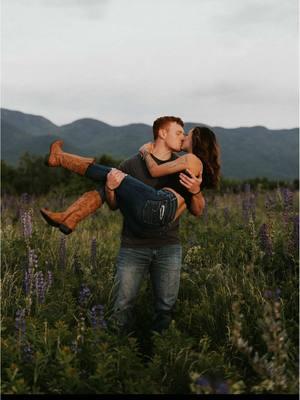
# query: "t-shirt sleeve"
130 165
125 166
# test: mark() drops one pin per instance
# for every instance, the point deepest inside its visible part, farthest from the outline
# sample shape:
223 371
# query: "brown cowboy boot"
67 220
58 158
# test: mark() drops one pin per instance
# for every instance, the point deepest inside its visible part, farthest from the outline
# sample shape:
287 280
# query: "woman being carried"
149 210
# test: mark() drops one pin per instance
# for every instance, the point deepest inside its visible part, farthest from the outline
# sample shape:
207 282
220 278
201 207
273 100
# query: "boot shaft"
58 158
67 220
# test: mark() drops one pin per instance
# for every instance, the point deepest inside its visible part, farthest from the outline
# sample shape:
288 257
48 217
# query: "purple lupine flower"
27 353
272 294
62 252
40 286
270 202
93 252
20 323
222 388
49 280
84 295
26 220
202 382
97 317
27 282
226 215
246 210
288 196
277 294
32 259
265 239
25 198
249 204
252 205
268 294
29 274
247 188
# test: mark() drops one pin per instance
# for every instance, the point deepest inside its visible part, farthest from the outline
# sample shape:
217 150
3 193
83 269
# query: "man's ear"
162 133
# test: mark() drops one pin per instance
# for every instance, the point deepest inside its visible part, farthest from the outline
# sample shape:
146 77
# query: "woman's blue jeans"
147 210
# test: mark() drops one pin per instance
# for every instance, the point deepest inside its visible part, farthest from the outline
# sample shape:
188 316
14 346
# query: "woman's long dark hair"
206 147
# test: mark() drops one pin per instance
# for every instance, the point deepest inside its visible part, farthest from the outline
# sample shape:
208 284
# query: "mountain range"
246 152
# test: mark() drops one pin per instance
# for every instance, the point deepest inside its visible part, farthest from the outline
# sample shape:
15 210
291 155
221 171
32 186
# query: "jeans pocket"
153 212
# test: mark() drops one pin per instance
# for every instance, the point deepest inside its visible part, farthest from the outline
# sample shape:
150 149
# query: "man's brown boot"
58 158
67 220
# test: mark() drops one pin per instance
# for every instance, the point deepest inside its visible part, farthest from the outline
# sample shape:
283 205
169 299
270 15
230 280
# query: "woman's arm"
180 164
113 181
156 170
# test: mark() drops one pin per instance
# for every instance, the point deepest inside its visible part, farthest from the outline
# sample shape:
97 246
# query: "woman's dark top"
175 184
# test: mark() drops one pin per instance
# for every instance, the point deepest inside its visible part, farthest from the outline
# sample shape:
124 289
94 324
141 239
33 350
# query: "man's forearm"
111 198
197 204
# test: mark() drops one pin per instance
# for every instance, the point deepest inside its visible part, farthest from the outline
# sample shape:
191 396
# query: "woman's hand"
147 147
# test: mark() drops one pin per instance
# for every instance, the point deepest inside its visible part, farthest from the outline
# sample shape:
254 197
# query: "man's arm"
110 195
193 185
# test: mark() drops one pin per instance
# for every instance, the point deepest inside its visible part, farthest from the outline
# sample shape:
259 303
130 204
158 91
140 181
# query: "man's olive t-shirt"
136 167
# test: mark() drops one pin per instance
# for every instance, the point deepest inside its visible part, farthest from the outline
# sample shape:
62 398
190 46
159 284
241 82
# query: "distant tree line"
262 184
32 176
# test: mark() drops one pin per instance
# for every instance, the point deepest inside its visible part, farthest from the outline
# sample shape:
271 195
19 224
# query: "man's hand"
192 184
114 178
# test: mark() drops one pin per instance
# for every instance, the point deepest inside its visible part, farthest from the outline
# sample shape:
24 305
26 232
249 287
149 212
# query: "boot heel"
64 229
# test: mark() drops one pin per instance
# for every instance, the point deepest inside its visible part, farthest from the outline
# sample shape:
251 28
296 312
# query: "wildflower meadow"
235 327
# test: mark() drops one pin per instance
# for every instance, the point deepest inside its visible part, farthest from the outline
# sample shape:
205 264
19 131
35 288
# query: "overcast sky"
220 62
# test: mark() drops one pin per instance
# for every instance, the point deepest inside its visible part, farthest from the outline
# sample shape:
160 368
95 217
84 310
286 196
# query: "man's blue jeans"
164 264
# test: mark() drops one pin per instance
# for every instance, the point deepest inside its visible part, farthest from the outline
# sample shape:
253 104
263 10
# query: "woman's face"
187 142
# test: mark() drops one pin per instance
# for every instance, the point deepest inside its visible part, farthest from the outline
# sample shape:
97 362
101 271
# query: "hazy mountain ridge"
35 125
247 152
